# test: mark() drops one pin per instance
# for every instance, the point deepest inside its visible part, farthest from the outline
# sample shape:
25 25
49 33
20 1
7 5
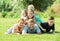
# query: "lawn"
6 23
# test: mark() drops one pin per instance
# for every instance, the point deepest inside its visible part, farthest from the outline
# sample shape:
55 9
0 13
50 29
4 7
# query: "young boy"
31 28
49 25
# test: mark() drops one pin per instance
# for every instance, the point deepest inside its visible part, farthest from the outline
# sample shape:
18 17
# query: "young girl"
23 15
16 28
19 27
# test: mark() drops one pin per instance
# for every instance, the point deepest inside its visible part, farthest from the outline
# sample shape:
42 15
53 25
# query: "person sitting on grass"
17 28
48 25
31 28
37 18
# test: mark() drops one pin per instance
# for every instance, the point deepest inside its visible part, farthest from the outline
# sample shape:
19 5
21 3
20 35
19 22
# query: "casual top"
37 18
35 29
47 27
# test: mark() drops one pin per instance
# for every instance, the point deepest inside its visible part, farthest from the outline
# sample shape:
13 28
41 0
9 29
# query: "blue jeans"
11 28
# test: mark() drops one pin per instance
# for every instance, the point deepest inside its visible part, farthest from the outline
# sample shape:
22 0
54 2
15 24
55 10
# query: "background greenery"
12 8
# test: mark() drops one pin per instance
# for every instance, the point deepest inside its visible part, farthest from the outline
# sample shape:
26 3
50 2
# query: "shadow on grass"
56 32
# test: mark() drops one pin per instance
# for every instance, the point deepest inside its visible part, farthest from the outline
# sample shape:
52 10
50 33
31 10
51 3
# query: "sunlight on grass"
6 23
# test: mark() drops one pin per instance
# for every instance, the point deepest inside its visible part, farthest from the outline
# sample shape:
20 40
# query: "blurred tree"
41 4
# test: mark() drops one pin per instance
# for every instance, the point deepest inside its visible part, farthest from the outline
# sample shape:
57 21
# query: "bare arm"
41 27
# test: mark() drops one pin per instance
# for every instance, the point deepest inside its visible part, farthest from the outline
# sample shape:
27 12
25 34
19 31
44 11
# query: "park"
10 12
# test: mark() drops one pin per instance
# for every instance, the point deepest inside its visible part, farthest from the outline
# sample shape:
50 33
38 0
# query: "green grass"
6 23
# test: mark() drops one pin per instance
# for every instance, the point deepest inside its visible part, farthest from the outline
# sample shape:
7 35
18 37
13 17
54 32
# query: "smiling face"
24 13
21 23
51 21
30 14
31 23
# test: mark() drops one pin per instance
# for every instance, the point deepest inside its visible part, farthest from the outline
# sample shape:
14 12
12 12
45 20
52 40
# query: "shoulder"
44 23
26 26
36 26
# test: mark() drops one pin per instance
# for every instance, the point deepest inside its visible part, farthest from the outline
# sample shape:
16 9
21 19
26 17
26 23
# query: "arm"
53 28
37 29
25 30
41 27
15 29
37 18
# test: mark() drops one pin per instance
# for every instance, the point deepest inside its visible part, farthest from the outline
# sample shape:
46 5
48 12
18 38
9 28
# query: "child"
23 15
49 25
31 28
19 27
16 28
31 16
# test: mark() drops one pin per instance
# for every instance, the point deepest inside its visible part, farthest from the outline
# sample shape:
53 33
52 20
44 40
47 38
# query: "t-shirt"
47 27
37 18
28 30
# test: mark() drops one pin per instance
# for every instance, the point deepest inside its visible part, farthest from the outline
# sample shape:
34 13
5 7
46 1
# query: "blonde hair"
24 10
31 7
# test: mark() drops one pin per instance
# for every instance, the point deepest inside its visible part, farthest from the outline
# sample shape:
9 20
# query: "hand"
44 30
18 33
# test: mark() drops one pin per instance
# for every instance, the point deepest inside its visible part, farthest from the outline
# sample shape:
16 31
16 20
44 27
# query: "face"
30 14
50 22
21 23
31 25
24 13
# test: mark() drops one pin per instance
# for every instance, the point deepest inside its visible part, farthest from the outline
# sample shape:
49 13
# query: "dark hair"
51 18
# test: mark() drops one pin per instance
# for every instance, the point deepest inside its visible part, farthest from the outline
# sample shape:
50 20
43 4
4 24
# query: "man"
31 28
48 26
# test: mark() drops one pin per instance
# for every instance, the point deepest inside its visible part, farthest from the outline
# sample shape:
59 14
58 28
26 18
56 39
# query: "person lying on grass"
31 16
48 26
16 28
37 18
19 27
31 28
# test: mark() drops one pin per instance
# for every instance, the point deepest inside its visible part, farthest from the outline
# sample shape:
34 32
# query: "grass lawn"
6 23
